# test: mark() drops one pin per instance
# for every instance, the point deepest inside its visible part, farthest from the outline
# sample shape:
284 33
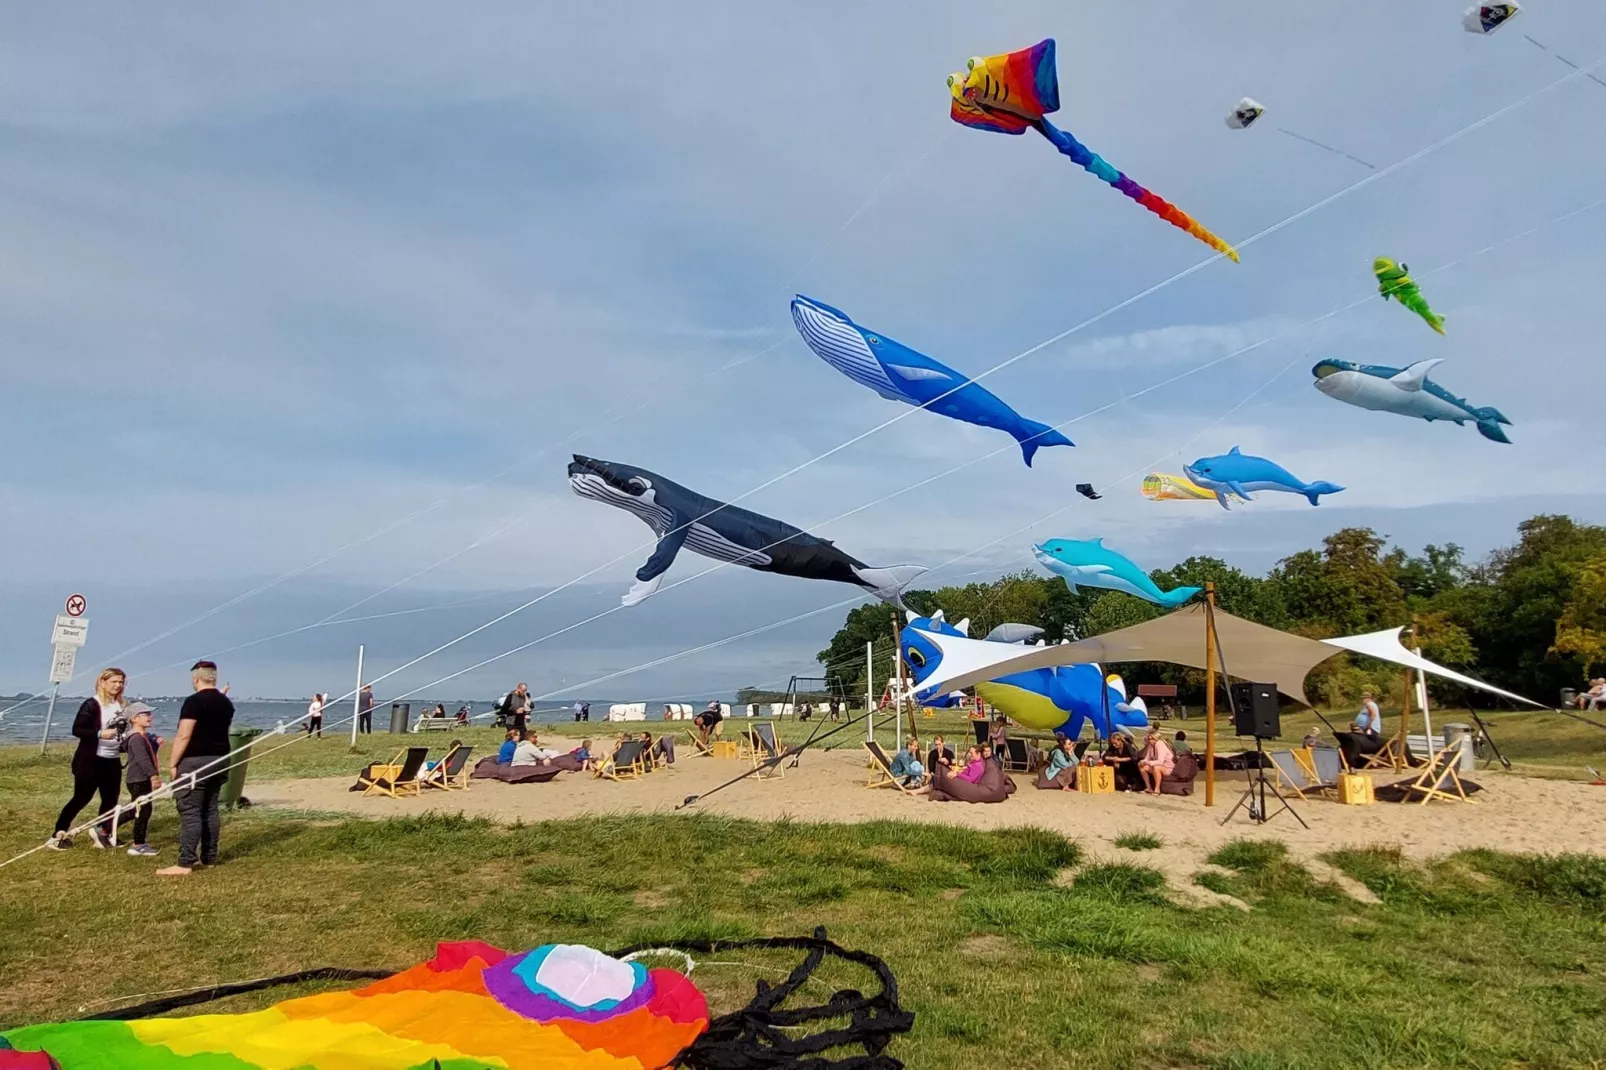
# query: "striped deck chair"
399 777
626 763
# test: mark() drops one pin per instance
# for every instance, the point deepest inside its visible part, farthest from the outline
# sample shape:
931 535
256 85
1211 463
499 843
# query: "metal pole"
356 699
869 691
49 711
897 693
1422 697
1210 693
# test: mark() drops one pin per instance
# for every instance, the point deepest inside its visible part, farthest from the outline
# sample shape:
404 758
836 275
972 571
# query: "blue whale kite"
898 373
1406 391
1241 473
682 517
1090 564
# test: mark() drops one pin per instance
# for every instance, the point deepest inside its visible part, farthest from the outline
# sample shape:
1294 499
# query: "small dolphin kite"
898 373
1090 564
681 517
1239 473
1406 391
1394 280
1009 93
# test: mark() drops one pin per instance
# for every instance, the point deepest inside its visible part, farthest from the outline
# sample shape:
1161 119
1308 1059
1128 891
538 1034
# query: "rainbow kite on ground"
1010 93
559 1007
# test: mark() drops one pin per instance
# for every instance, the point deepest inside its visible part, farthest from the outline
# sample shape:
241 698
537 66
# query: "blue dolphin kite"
898 373
1241 473
1090 564
1406 391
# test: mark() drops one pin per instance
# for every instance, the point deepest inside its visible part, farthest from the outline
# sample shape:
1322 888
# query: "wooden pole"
1210 693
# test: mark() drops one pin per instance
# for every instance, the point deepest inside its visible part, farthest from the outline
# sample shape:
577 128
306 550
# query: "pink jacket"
1160 752
973 771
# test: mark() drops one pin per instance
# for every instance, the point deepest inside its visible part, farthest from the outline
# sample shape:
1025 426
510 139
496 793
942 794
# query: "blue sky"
277 279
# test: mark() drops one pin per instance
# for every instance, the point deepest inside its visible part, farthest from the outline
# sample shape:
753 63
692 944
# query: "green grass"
1011 948
1139 841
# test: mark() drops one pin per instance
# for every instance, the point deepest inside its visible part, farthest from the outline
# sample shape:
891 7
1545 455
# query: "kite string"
653 400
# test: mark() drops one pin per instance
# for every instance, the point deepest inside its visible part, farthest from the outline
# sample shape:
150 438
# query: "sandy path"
1511 812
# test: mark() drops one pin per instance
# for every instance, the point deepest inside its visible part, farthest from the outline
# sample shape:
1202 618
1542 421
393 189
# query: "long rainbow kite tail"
1014 91
1096 165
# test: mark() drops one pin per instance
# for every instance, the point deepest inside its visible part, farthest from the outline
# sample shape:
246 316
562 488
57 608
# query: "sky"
306 306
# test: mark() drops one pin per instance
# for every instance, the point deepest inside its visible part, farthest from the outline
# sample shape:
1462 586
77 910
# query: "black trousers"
365 721
197 811
104 777
138 789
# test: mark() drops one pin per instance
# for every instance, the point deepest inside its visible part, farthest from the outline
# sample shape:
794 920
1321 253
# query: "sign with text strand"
69 631
62 662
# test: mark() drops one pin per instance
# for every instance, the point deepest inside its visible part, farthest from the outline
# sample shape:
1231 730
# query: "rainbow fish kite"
1011 92
1161 487
472 1007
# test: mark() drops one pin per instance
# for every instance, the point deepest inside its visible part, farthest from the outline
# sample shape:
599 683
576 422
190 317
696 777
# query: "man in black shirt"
516 708
199 747
365 708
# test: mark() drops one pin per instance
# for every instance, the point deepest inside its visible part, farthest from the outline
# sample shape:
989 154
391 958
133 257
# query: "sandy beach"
1509 814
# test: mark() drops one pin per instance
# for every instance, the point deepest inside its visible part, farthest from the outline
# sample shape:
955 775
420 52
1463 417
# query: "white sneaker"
59 841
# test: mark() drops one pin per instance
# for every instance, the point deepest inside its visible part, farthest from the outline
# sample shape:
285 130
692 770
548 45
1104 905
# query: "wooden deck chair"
624 763
1017 757
1286 768
697 744
980 728
403 775
451 772
766 751
881 769
1440 768
1327 765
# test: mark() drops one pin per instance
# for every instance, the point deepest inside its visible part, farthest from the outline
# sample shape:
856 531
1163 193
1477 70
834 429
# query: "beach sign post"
69 634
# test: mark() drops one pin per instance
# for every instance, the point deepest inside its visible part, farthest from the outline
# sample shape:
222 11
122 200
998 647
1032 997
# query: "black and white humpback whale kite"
681 517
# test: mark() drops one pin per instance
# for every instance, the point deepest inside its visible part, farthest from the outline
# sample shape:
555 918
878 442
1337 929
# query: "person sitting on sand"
530 752
1123 758
1313 737
1156 761
906 767
940 758
1180 745
1060 772
975 766
504 754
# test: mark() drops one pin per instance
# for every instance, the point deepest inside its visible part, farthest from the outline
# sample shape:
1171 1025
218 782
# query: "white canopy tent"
1386 646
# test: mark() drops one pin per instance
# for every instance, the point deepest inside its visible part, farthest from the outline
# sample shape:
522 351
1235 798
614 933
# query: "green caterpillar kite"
1393 281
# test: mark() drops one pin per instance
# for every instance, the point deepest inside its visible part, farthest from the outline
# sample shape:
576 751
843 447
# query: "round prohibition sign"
76 605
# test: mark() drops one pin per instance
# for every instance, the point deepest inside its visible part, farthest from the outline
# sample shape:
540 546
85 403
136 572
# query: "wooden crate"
1095 779
1355 789
726 749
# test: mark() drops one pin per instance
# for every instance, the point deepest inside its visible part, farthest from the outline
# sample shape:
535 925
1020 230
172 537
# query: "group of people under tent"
1136 768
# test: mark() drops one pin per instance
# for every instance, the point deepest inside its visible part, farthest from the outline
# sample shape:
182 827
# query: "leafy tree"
1439 569
1581 631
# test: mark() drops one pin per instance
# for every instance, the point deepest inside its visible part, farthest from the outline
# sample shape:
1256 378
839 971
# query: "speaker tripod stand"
1255 794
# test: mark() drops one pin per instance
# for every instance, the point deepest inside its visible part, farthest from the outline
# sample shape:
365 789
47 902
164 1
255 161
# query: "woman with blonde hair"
95 765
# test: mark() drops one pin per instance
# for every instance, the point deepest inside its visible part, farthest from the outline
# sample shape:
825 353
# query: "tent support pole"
1210 693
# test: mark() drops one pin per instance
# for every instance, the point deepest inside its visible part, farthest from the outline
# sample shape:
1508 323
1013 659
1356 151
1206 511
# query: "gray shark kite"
682 517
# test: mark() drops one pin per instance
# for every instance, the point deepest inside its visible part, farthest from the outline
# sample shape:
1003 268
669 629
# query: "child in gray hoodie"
141 774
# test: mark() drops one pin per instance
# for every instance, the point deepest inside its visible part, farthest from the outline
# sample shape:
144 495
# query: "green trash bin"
233 793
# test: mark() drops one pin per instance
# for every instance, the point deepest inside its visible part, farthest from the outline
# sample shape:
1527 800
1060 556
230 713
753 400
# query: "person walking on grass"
141 774
199 745
95 766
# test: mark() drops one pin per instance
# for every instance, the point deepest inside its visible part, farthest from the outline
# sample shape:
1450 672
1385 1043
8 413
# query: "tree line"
1530 617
